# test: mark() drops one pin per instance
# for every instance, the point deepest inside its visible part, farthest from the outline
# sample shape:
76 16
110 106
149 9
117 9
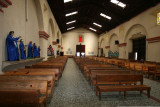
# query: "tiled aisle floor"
74 91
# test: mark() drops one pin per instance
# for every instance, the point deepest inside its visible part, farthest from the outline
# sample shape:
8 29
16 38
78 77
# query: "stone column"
43 43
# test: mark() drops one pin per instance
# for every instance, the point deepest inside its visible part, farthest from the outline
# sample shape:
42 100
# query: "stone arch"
102 43
40 18
135 31
113 47
52 29
102 47
58 35
61 40
39 15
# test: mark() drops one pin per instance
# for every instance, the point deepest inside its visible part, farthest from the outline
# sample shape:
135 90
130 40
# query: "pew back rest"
25 84
48 78
150 68
29 73
47 66
105 68
87 66
102 79
19 96
54 71
96 72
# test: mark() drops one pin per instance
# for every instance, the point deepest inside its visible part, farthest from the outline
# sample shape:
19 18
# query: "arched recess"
102 47
52 29
39 15
40 18
113 47
57 34
134 32
61 41
54 37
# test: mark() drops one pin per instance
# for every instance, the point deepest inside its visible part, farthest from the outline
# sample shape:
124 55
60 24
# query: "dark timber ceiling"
89 12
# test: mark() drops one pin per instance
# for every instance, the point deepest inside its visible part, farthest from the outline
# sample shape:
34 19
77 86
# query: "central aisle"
73 90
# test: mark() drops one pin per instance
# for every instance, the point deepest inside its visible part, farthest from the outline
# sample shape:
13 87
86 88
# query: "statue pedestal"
13 65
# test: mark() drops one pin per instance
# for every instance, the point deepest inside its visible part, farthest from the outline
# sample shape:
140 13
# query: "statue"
50 51
35 51
12 47
39 51
22 49
30 50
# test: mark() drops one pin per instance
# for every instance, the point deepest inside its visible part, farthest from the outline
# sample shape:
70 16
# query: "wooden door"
139 46
80 48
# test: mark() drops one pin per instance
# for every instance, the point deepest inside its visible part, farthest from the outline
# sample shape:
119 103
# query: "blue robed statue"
35 51
22 49
12 47
30 50
39 51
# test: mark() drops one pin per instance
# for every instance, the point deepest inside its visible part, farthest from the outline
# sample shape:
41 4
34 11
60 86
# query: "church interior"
84 53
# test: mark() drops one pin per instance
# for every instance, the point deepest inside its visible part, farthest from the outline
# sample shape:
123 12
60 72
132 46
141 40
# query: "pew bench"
56 71
89 70
101 85
48 78
154 71
32 73
56 74
46 66
108 72
21 98
27 85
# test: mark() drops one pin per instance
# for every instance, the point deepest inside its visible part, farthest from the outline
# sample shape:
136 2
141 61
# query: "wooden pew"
20 98
95 66
48 78
56 64
154 71
58 75
46 66
106 72
102 79
55 72
88 70
28 84
31 73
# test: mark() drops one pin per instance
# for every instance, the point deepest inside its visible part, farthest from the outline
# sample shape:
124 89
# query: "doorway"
139 47
102 54
80 50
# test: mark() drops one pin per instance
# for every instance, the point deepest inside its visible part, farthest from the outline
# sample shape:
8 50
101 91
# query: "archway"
52 35
102 46
40 18
113 43
134 33
39 15
51 30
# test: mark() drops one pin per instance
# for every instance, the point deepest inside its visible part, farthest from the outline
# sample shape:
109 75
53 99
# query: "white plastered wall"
70 40
145 23
113 46
50 26
14 18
